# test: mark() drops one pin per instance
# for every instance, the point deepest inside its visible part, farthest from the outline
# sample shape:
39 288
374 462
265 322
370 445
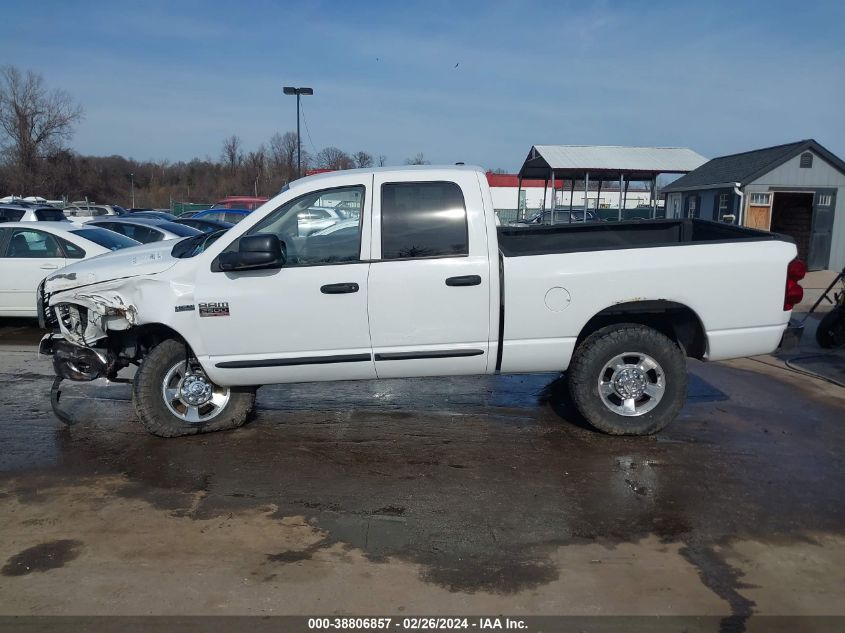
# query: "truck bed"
593 236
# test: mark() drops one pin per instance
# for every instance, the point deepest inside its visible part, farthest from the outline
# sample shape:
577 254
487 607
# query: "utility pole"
132 188
291 90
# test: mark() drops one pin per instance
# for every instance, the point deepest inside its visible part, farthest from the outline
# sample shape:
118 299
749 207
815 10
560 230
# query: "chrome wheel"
191 396
631 384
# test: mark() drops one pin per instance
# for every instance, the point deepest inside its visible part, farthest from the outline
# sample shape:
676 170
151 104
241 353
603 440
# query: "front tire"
628 379
173 396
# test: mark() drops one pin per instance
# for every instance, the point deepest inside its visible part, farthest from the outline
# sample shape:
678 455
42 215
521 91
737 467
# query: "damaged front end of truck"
85 341
91 310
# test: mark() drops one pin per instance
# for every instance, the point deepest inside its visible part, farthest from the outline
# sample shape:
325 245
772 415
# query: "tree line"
36 124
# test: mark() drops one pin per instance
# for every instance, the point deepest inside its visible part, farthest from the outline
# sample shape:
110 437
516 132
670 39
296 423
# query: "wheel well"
133 344
675 320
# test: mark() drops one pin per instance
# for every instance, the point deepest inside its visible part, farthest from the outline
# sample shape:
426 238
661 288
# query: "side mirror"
255 252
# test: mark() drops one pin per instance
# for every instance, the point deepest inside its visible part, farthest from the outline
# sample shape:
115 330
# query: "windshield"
193 246
105 238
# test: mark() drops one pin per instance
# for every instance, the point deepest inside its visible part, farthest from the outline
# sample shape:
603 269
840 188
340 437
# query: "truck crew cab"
423 284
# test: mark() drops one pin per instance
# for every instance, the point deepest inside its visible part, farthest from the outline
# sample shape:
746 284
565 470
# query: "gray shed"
797 189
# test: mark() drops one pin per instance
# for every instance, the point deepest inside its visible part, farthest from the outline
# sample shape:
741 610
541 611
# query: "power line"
307 131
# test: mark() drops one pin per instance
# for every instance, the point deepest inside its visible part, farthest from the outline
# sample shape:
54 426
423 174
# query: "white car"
347 227
317 219
428 287
85 213
30 213
29 252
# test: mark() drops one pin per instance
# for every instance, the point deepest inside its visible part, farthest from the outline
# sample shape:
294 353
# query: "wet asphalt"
479 483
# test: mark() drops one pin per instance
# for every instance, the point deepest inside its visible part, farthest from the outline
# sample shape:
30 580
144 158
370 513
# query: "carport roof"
606 162
748 166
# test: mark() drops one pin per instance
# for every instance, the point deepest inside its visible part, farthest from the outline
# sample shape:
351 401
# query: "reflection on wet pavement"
478 480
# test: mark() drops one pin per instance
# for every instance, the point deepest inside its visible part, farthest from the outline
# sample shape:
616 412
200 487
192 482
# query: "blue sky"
170 80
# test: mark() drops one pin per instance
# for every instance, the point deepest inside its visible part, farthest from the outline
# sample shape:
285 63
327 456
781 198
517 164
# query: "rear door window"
142 234
72 250
423 219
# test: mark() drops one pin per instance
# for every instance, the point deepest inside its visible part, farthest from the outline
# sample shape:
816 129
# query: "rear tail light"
795 272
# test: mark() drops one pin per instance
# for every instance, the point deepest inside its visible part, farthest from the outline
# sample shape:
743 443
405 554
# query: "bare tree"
232 155
334 158
362 159
382 160
419 159
282 155
35 121
256 166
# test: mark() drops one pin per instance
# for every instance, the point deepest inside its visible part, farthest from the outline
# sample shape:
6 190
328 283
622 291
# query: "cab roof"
402 169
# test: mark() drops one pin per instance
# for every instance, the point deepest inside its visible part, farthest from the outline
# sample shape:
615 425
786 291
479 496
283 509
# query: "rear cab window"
423 219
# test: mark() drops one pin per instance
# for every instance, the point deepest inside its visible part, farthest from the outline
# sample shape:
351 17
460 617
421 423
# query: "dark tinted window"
136 232
143 234
71 249
234 218
422 219
50 215
11 215
107 239
178 229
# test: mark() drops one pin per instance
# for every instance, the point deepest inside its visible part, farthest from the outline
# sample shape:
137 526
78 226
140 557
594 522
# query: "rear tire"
167 409
628 379
830 332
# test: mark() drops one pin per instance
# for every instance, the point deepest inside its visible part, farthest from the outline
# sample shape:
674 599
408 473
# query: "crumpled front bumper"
791 336
73 361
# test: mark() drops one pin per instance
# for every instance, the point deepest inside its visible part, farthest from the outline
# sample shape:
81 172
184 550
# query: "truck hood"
149 259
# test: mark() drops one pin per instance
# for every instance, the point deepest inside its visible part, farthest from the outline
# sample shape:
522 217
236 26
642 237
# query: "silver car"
316 219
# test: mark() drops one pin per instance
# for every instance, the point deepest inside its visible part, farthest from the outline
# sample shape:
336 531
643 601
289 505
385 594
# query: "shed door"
824 203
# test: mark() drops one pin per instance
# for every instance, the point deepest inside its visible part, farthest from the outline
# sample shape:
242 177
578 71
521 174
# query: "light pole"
290 90
132 188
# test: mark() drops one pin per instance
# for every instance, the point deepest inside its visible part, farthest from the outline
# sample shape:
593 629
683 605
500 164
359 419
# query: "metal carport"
602 164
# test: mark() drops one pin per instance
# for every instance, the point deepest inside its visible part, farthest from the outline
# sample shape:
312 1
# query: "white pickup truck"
423 284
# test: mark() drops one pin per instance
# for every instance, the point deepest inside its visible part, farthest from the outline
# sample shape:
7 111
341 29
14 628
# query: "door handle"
464 280
339 289
49 266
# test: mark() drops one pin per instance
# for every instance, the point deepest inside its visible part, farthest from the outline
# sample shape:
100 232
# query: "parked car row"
557 216
29 252
82 230
38 241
